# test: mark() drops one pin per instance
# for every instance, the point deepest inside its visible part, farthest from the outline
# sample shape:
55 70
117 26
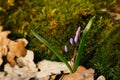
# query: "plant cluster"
77 53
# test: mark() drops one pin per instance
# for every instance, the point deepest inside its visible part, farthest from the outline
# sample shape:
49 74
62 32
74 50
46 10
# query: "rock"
45 78
25 70
16 49
10 48
101 78
3 43
2 74
50 67
3 52
17 73
24 40
81 74
27 61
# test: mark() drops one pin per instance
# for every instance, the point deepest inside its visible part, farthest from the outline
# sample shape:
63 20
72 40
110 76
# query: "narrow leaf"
82 43
60 56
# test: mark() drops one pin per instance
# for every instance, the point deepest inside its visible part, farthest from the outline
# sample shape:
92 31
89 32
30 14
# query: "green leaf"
60 56
82 43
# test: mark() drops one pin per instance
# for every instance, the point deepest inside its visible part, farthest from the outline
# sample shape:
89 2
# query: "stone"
27 61
50 67
101 78
81 74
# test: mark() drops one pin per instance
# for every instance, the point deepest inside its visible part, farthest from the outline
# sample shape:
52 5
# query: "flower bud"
77 35
66 48
72 41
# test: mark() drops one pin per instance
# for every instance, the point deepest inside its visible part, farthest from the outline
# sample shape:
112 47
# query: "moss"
48 18
107 55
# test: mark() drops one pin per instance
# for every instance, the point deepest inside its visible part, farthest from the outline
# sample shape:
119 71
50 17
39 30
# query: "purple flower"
66 48
77 34
72 41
